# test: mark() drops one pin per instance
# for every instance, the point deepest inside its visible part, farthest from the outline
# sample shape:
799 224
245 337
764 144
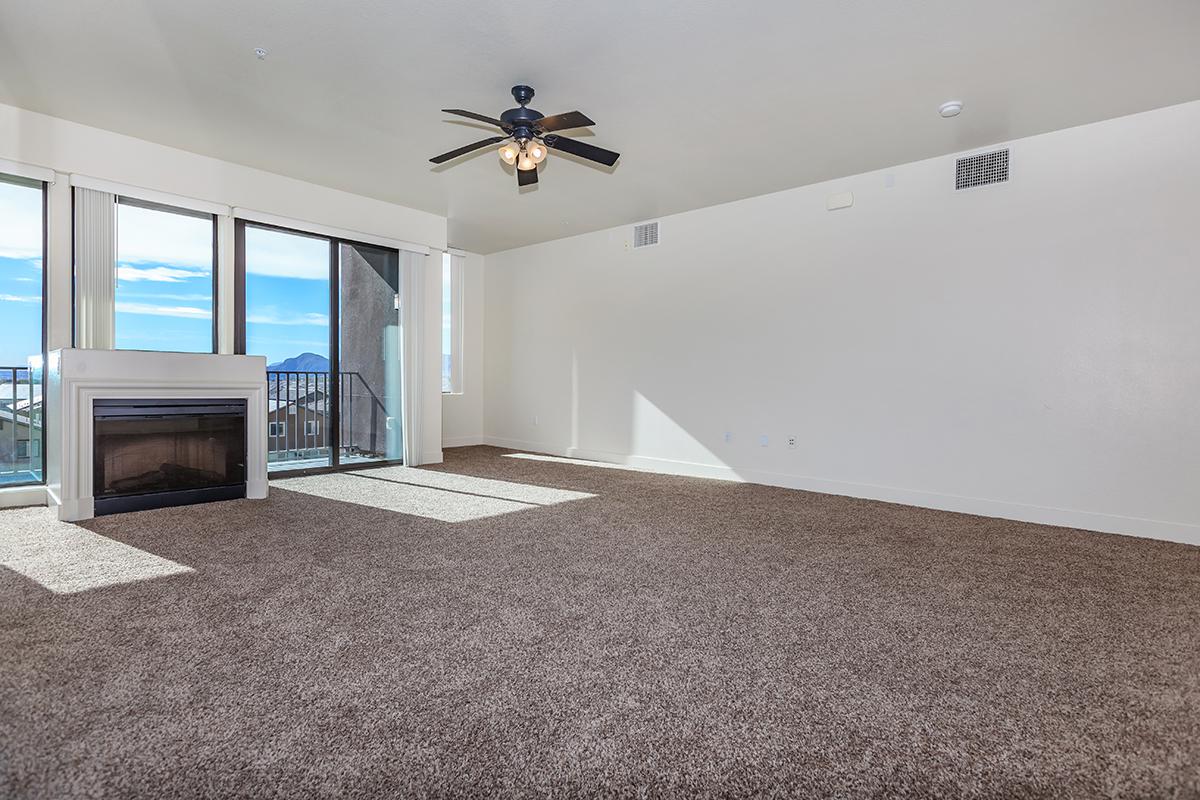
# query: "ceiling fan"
533 136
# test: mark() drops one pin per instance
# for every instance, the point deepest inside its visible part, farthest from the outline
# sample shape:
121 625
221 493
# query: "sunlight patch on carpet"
443 496
66 558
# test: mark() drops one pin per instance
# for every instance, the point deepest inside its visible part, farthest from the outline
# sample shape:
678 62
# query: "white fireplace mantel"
75 378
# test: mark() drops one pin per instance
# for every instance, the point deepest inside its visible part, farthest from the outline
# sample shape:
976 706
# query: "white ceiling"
708 101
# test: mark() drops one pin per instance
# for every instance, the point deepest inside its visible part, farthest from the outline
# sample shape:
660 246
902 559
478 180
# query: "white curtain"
95 268
412 332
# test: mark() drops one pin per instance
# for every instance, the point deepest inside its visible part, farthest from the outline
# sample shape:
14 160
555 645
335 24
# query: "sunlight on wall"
66 558
656 435
436 495
575 462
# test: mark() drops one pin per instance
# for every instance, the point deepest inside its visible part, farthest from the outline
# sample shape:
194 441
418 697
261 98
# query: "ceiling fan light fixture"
527 137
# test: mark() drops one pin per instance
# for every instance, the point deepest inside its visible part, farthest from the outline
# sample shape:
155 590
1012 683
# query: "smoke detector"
951 108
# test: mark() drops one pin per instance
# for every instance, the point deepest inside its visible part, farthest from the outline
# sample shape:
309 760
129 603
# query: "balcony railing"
298 417
297 420
20 425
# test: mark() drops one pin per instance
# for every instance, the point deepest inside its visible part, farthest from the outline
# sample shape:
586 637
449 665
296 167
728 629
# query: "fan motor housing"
522 121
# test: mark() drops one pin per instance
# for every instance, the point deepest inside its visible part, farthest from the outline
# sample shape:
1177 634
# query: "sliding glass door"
325 313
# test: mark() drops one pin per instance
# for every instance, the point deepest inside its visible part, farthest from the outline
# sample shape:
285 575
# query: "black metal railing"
20 425
298 414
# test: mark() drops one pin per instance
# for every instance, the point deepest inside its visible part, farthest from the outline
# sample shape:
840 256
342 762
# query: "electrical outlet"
762 440
728 437
791 442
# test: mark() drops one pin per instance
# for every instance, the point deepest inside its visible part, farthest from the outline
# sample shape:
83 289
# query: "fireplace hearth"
152 453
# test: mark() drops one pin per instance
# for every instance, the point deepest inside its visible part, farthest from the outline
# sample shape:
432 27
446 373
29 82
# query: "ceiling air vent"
982 169
645 235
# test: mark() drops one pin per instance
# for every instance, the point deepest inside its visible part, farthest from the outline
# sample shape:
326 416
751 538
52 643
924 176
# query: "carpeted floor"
562 631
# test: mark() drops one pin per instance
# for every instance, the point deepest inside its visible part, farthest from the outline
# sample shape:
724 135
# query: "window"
22 344
451 323
275 429
310 428
166 267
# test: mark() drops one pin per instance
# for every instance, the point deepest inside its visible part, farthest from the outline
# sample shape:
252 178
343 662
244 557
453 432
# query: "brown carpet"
664 637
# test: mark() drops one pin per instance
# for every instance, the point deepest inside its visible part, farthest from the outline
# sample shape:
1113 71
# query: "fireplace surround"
84 386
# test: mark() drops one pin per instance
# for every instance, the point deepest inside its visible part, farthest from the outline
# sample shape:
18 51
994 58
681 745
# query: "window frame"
42 186
151 205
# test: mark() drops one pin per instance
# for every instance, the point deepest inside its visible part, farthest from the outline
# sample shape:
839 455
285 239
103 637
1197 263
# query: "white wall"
68 147
1028 350
462 413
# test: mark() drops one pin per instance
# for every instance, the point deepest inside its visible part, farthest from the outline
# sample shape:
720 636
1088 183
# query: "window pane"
447 325
287 320
369 353
164 280
21 342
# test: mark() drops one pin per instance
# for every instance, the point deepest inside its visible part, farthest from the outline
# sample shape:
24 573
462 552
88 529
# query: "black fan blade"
473 115
444 157
562 122
583 150
526 177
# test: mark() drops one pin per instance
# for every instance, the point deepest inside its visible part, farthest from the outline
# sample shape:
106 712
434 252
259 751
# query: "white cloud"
157 274
307 344
147 236
185 298
20 222
17 298
282 255
149 309
272 316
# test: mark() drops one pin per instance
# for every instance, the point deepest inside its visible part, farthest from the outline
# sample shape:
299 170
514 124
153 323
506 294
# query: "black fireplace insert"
154 453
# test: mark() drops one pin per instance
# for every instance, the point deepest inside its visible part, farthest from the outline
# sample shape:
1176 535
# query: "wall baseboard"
17 496
462 441
1182 532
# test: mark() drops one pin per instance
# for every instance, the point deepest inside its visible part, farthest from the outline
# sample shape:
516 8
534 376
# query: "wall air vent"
645 235
982 169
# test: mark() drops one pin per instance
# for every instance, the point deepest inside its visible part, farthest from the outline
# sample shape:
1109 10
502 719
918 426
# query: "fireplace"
150 453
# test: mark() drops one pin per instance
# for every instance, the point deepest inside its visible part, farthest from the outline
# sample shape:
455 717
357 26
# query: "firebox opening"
155 453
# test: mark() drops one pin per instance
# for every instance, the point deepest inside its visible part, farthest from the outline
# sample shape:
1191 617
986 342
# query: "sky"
164 287
20 274
164 280
164 283
287 294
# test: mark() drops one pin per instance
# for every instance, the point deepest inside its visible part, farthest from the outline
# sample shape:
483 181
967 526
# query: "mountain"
305 362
